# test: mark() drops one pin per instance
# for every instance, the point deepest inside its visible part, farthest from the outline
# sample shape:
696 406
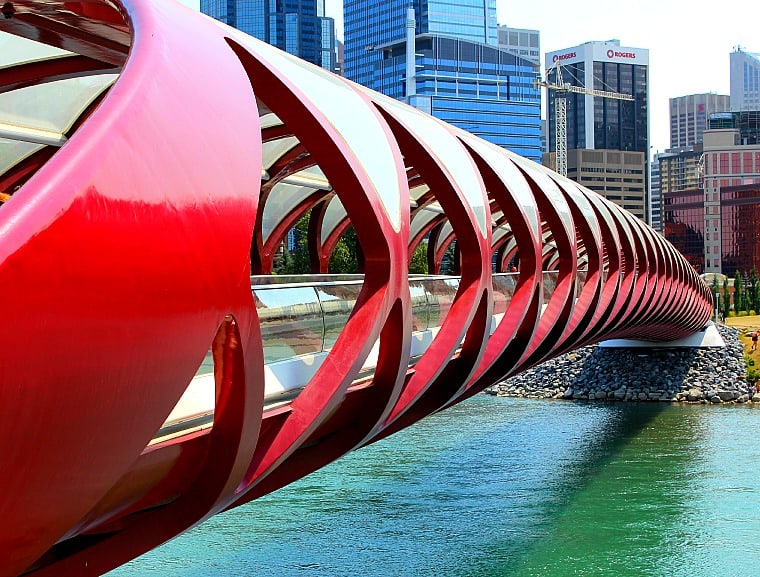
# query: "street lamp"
717 306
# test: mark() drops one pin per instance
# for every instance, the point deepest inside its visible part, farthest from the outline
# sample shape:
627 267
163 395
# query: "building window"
723 163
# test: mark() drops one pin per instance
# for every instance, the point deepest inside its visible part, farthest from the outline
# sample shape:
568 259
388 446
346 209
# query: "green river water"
508 487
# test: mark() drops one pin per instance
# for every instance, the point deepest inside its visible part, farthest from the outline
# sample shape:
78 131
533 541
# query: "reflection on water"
508 487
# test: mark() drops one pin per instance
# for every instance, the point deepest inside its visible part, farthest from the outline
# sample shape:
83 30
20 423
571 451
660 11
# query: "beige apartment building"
616 175
681 169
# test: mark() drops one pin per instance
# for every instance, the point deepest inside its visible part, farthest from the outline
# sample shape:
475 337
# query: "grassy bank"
746 325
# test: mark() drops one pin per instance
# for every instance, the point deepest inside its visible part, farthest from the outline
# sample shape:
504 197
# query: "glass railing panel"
440 294
580 278
503 290
420 307
207 364
337 302
291 321
549 284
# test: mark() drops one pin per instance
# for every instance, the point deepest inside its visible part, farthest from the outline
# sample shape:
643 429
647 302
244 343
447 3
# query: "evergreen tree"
343 259
737 292
284 264
418 263
447 262
726 298
745 299
752 290
297 261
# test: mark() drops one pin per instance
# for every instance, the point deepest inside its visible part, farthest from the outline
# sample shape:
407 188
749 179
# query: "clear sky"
689 42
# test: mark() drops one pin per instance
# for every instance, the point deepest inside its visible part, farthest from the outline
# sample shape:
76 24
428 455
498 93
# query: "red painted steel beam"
146 225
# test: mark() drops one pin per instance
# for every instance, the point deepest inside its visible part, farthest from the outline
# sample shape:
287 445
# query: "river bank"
681 375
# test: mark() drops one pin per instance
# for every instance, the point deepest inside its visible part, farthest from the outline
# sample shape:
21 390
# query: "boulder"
694 395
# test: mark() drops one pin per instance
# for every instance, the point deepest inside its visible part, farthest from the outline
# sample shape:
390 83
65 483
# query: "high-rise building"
459 73
299 27
732 192
689 114
681 171
618 176
745 123
745 80
521 42
656 194
684 224
594 122
715 224
369 24
681 168
680 187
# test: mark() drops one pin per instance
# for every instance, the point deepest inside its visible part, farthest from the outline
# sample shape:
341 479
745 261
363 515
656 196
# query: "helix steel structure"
151 161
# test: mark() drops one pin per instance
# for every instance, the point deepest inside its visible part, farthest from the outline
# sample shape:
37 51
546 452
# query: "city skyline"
701 48
689 57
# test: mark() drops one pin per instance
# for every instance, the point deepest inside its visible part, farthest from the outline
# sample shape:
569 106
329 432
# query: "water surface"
508 487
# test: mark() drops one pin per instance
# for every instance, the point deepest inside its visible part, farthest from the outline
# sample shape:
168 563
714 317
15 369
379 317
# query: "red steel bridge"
154 371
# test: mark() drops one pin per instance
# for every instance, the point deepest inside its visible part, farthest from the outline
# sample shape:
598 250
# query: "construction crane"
560 109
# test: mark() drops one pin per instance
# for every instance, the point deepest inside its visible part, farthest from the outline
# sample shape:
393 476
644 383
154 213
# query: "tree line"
344 258
745 299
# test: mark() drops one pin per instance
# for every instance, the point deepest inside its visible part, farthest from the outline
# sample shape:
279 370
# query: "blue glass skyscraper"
299 27
462 76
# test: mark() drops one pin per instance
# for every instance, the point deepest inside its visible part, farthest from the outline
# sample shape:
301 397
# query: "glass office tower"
372 23
462 76
594 122
745 80
296 26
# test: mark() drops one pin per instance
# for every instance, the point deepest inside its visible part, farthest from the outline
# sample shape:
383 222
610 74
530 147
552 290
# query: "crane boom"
581 90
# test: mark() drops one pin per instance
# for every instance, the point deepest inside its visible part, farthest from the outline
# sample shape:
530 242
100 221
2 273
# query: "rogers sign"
615 54
565 56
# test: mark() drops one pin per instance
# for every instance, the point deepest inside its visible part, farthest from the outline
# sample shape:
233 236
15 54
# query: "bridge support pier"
708 337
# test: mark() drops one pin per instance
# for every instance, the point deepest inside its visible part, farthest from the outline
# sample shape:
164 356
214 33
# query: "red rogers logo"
563 56
613 54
